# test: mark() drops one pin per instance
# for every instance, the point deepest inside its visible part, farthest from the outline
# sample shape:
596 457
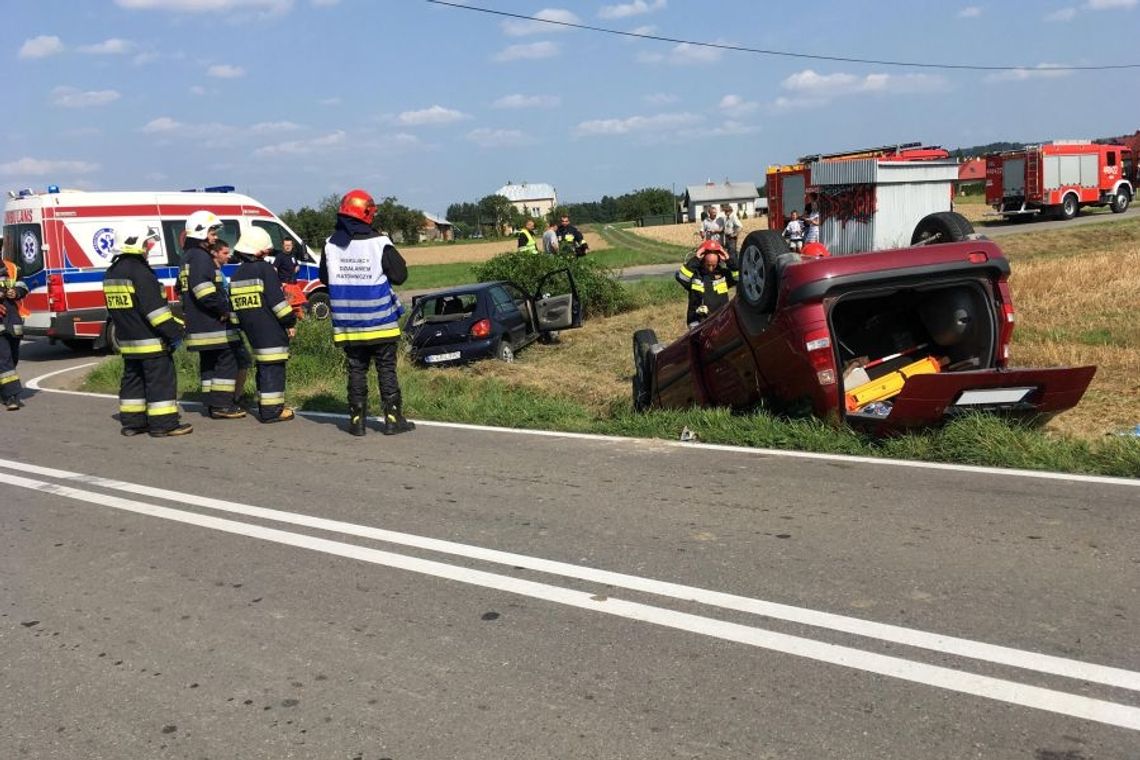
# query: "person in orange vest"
12 313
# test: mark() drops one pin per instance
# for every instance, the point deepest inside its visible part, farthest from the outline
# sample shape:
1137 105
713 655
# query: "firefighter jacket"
527 243
359 276
204 304
709 289
262 310
136 302
12 322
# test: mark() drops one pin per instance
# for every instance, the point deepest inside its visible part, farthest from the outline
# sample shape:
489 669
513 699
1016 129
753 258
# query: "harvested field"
473 253
685 234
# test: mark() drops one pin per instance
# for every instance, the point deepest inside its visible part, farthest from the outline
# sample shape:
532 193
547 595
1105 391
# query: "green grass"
316 382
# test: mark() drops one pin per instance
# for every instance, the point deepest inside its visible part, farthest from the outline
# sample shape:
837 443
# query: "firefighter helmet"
359 205
135 237
815 250
254 241
711 246
199 224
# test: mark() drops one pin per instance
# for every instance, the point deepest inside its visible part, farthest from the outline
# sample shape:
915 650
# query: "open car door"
556 302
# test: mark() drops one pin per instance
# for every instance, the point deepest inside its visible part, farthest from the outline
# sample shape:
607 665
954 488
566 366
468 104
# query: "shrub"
599 290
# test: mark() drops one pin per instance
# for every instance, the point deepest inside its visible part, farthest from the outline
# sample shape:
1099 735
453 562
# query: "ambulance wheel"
758 273
643 342
941 227
1120 201
319 306
1069 207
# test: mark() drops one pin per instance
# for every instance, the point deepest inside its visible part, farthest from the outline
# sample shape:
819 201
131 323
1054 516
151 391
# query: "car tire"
758 273
643 342
320 308
941 227
1069 207
504 352
1120 201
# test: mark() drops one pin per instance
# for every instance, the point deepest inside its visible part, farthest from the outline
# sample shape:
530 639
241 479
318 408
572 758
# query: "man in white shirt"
732 228
712 228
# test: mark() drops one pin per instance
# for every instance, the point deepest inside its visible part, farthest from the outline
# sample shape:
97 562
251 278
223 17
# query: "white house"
534 198
741 195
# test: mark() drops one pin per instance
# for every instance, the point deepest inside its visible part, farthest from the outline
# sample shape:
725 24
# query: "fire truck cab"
1060 178
62 243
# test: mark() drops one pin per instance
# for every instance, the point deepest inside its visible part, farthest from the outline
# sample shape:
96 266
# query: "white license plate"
992 396
436 358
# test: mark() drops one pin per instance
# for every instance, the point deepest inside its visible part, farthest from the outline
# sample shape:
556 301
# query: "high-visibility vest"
365 310
13 278
530 246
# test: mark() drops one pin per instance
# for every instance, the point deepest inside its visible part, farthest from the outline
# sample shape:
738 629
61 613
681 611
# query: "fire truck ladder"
1032 174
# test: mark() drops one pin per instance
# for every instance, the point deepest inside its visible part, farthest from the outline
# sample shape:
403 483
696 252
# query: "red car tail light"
55 292
818 346
481 329
977 257
1005 333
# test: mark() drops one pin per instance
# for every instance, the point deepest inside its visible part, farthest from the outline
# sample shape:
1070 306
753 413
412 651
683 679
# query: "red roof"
972 171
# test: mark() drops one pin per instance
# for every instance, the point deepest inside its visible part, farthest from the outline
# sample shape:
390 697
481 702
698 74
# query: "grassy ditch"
582 385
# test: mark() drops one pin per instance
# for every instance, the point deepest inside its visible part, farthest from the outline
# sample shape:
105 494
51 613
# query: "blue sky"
291 100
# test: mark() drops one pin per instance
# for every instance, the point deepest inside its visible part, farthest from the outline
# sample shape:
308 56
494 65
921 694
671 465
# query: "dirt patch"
471 253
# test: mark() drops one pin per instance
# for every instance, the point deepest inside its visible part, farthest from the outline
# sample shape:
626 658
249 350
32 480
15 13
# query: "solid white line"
845 458
1100 711
34 383
960 647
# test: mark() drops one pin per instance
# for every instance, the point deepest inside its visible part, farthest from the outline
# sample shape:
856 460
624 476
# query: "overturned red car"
887 340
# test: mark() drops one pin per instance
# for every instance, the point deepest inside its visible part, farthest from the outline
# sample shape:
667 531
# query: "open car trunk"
911 355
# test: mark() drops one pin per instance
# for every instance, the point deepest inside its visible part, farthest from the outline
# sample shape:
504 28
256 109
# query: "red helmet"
711 246
359 205
815 250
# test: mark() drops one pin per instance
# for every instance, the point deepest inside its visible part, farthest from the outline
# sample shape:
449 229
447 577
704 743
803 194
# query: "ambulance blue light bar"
213 189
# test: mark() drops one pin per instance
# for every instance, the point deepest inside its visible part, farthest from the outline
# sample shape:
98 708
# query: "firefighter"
147 333
266 319
209 329
359 267
570 241
527 243
707 276
12 313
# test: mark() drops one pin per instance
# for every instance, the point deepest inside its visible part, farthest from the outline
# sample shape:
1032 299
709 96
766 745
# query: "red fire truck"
1059 178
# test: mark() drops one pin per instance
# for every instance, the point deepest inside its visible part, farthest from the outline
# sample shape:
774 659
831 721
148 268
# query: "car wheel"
758 275
504 352
643 342
1120 201
941 227
1069 207
319 306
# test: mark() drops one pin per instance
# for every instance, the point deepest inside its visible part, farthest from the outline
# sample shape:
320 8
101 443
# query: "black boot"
357 414
394 420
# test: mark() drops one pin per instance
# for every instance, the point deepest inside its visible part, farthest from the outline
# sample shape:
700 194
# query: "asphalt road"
465 593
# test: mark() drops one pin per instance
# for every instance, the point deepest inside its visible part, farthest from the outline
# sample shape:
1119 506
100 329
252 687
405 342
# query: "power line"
782 53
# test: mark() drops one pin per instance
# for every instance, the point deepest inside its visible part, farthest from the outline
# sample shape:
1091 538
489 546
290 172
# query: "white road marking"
843 458
1074 705
976 650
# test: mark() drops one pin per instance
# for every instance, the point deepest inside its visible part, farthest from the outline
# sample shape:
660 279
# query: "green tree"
393 217
314 225
495 211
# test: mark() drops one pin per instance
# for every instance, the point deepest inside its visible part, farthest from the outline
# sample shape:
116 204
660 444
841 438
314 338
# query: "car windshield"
446 308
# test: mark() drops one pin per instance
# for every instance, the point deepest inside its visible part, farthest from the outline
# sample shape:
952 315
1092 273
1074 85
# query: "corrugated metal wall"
859 172
908 204
850 237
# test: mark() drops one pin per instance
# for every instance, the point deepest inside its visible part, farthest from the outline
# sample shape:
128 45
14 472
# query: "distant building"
534 198
741 195
971 172
436 229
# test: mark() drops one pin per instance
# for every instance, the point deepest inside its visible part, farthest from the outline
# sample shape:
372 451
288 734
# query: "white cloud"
1062 14
301 147
684 54
519 28
970 11
112 46
635 8
647 29
324 3
527 101
531 51
207 6
1107 5
35 167
737 104
632 124
810 85
41 47
499 138
161 124
225 71
71 97
166 127
1040 71
660 98
435 115
269 127
197 89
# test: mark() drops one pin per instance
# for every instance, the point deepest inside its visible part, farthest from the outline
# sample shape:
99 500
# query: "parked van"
62 242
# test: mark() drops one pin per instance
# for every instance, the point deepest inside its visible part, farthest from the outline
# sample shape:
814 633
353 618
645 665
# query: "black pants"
9 357
147 394
359 357
730 246
218 369
270 389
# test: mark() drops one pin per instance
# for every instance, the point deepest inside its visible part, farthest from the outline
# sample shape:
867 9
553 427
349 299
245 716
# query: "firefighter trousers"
9 357
218 369
147 394
359 359
270 390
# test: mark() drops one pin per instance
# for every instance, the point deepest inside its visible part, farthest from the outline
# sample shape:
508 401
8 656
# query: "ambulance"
62 242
